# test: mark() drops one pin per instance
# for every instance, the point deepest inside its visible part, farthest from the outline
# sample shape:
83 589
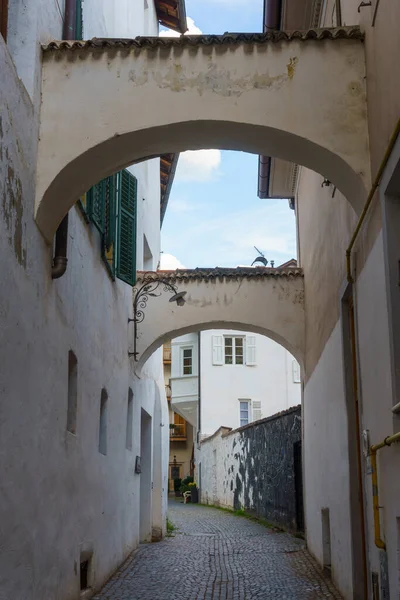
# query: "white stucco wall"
373 335
270 382
59 495
326 470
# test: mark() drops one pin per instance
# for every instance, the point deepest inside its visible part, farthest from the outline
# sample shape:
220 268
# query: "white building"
76 424
239 378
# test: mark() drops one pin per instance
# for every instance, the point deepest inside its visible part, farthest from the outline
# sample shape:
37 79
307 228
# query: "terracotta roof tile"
229 39
221 273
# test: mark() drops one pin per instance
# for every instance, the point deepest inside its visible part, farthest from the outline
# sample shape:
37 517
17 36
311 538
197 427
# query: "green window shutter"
110 224
96 204
127 203
79 21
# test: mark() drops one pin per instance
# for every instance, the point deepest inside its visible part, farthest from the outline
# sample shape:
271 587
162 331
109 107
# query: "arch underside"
124 150
300 101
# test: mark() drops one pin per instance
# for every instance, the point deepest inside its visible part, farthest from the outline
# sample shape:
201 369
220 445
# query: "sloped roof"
168 163
172 14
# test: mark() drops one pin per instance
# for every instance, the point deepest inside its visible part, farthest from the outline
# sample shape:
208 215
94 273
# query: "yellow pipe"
388 441
371 194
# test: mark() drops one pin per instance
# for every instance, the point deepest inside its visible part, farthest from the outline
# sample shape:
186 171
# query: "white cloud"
179 205
169 262
198 165
192 30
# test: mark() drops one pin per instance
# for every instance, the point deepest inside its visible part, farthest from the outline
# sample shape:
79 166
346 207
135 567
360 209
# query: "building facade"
226 378
350 399
83 456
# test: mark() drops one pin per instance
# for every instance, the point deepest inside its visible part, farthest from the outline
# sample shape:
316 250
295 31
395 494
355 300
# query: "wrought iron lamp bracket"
141 296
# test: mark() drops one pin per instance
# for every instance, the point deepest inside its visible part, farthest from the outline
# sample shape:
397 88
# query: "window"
244 407
103 422
111 206
72 392
178 428
187 361
129 421
234 350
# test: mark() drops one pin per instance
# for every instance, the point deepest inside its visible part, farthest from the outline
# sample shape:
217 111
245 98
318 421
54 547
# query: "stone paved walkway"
217 556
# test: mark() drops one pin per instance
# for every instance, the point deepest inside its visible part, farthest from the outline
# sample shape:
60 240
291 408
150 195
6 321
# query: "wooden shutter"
251 358
257 414
110 225
79 21
296 372
127 202
95 205
217 350
4 18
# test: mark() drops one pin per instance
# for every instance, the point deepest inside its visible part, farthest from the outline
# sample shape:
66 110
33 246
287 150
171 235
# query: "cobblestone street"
217 556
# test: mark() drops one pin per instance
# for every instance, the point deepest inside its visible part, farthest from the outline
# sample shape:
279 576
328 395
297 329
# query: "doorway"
298 485
145 477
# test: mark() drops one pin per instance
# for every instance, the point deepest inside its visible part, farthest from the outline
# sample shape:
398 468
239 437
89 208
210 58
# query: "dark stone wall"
269 475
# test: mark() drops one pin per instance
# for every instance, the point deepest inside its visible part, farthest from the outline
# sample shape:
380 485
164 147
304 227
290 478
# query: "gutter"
271 22
60 259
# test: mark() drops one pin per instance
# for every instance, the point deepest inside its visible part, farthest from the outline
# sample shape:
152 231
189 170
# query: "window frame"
234 357
249 417
182 359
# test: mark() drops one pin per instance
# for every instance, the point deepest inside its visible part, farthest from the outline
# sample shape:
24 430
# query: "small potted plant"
177 487
194 491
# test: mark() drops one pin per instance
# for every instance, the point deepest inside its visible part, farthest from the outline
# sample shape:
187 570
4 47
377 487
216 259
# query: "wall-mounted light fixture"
141 296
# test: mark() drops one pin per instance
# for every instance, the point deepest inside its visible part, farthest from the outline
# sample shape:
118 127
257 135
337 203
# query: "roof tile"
228 39
206 274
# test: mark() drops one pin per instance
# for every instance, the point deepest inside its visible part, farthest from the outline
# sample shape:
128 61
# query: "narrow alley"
213 555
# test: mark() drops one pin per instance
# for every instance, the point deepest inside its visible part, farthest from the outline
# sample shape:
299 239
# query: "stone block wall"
256 468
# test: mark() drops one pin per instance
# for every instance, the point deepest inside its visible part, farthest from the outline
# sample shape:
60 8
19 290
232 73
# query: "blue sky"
214 217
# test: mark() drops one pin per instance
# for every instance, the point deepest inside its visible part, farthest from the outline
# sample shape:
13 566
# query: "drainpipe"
388 441
271 22
60 259
370 197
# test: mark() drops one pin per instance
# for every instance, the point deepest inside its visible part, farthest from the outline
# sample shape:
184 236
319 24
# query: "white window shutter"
257 414
296 372
217 350
251 358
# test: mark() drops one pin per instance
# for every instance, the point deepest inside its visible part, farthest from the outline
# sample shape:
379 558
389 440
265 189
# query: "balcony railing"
178 432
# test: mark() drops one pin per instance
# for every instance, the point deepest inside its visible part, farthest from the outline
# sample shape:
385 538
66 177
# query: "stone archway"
261 300
109 103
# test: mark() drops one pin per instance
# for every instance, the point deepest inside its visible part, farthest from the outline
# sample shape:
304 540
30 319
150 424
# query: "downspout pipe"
370 197
60 259
271 22
388 441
